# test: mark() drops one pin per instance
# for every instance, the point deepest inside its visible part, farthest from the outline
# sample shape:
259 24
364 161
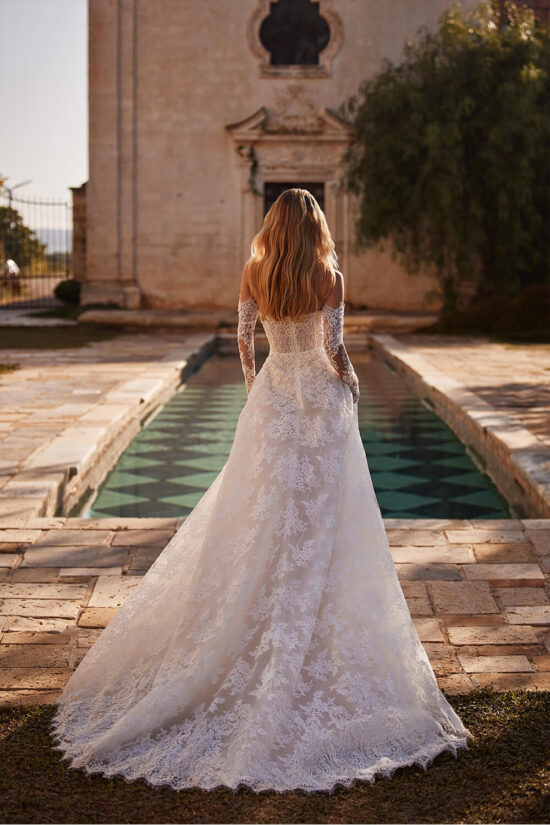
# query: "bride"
270 644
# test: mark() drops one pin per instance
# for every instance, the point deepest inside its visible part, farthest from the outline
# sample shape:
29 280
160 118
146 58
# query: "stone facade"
190 122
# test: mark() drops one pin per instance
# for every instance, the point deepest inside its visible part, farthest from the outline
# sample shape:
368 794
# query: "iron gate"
35 249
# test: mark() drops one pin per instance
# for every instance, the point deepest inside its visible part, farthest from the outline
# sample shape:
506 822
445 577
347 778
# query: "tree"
17 241
448 152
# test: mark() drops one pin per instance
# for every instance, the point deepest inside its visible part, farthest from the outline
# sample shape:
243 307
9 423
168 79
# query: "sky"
43 95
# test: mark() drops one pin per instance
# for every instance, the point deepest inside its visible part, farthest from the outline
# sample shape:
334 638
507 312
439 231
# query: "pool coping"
56 476
517 462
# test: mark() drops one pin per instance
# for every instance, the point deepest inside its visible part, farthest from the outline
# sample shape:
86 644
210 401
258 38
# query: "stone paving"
66 415
478 593
512 378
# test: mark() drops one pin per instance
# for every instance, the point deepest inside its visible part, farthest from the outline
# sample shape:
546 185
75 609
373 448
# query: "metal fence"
35 249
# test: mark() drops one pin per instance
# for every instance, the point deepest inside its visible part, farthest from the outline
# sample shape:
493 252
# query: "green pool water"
419 467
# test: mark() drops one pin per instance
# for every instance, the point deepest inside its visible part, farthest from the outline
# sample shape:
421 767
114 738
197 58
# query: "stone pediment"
292 114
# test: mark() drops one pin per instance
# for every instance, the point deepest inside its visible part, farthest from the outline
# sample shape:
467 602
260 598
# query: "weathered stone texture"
174 229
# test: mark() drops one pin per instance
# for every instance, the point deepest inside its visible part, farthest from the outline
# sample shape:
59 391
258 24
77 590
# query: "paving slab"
498 553
81 556
61 538
50 608
512 596
111 591
8 559
461 554
142 538
496 664
33 574
490 635
96 616
44 590
33 624
24 637
539 615
88 572
462 597
34 655
512 681
509 572
13 678
445 572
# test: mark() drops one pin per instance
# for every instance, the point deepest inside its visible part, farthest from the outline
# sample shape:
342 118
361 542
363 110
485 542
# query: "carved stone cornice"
295 117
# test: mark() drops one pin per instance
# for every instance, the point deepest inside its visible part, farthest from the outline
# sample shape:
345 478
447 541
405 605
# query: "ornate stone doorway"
292 141
272 190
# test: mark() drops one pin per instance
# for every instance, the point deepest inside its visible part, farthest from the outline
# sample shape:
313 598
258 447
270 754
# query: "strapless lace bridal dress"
270 643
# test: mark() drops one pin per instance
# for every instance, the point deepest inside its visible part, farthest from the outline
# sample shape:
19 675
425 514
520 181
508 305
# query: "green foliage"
448 151
17 241
68 291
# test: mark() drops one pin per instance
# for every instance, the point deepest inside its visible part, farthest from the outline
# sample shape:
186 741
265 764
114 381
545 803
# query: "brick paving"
478 593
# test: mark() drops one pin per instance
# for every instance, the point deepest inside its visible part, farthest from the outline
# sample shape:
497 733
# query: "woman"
270 643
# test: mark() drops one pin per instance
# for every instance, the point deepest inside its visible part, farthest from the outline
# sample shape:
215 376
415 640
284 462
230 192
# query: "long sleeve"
333 325
248 313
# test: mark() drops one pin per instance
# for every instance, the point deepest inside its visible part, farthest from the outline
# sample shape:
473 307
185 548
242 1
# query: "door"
272 190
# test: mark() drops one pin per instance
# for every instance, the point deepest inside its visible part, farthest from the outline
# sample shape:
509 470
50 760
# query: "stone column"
127 151
111 195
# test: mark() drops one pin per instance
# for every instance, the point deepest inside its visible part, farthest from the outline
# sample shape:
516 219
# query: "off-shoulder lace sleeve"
248 312
333 326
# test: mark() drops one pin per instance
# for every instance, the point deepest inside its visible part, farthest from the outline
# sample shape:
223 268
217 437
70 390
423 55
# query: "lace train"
270 643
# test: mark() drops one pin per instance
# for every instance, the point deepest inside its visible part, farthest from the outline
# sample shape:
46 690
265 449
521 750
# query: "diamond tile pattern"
418 466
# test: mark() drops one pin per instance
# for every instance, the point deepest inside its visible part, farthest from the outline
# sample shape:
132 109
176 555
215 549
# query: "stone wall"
181 100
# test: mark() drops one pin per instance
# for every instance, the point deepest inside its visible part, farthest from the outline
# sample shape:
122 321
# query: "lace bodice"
321 330
295 336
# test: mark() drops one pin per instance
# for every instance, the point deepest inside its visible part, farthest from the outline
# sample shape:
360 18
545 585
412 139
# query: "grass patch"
63 337
7 368
503 777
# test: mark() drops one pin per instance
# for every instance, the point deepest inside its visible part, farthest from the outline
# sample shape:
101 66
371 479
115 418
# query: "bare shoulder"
336 294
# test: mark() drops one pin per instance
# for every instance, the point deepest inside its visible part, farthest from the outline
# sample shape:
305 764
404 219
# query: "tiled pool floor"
419 467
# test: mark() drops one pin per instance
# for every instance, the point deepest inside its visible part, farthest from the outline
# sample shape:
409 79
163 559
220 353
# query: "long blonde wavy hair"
293 258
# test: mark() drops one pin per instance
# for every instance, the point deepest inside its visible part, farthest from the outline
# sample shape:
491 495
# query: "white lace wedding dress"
270 643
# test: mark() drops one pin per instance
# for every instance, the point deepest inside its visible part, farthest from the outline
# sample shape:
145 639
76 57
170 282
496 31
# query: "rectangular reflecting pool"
419 468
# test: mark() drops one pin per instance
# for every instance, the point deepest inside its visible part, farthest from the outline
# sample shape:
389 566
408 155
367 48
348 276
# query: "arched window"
294 33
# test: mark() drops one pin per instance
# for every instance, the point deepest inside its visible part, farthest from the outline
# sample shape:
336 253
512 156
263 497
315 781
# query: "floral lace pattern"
270 644
247 314
333 321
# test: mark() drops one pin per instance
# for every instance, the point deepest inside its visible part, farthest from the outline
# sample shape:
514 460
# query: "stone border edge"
513 457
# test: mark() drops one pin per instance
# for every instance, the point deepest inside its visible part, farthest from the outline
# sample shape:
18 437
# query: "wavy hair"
293 258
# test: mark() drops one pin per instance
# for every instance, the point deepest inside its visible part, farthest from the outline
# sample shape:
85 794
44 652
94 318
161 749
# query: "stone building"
201 113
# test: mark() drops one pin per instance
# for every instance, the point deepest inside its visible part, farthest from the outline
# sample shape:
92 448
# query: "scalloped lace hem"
383 767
